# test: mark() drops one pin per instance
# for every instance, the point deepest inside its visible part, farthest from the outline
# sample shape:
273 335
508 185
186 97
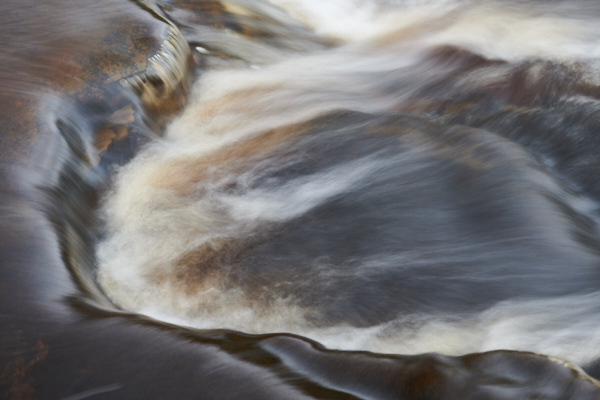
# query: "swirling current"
300 199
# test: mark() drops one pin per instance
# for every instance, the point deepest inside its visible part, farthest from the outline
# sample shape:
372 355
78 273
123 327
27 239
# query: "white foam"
499 30
562 327
343 19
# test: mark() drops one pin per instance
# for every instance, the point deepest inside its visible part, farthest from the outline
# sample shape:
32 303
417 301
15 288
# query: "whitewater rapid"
331 194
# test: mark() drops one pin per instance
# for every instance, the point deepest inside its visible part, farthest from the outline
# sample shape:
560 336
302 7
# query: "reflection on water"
398 177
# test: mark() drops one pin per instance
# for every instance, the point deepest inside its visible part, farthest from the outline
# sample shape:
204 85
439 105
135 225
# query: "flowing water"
398 177
410 189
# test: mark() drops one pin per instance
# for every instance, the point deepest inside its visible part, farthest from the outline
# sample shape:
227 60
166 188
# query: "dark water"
324 200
